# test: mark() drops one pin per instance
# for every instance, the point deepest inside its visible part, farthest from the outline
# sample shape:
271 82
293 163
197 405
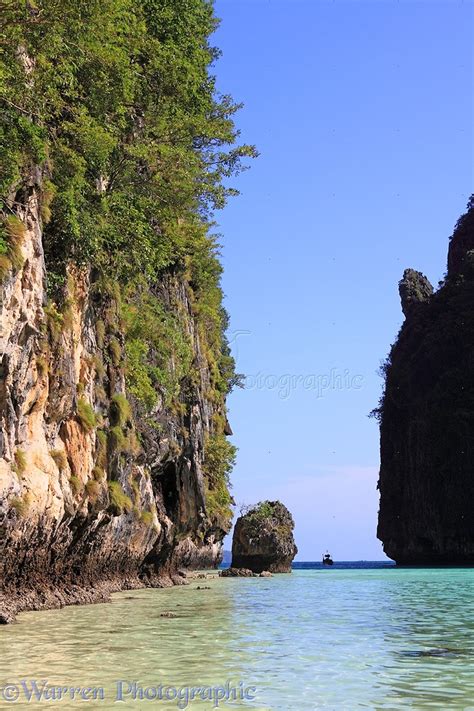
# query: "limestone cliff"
427 417
95 494
116 149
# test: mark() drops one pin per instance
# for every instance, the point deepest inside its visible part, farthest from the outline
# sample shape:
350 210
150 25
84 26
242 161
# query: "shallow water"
317 639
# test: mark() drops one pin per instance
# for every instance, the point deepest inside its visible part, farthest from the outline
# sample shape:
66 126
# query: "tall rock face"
263 539
114 366
95 495
427 417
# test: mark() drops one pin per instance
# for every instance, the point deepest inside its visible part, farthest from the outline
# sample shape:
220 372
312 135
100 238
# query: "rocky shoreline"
50 598
244 573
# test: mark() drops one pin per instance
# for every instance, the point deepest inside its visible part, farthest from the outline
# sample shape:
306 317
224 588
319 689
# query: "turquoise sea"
350 637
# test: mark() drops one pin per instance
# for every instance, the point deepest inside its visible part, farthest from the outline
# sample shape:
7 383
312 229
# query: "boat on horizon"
327 560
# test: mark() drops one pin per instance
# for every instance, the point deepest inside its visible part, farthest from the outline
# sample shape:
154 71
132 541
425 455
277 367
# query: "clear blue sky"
363 114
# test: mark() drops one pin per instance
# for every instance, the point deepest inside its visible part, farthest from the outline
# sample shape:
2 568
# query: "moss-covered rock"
263 539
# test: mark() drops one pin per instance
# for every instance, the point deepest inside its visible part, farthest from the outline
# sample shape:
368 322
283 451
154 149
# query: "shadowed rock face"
414 289
263 539
427 417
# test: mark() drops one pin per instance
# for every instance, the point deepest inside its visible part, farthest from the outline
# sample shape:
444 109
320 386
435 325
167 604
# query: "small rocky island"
263 540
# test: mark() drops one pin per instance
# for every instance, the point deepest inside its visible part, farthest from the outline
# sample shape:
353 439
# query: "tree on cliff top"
116 102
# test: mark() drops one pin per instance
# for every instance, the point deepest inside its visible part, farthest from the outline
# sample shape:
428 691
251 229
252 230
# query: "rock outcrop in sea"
427 416
263 539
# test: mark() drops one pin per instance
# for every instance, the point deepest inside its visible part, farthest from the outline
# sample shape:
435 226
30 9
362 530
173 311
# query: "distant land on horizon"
227 559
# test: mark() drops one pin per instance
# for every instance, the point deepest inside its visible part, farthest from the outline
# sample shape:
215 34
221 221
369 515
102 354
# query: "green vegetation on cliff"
112 106
116 99
219 461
